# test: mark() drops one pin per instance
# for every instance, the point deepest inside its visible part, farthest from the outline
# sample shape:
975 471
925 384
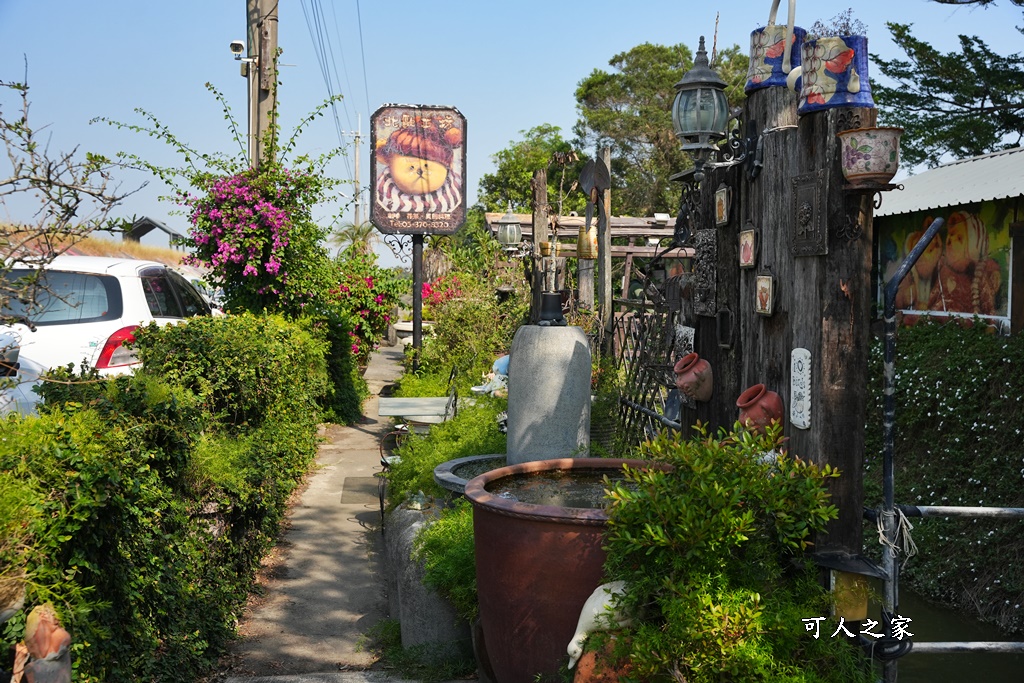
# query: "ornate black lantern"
700 113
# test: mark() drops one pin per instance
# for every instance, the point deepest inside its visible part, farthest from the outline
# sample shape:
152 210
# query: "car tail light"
115 353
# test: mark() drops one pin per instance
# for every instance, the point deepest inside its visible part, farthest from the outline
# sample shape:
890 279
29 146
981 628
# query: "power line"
362 54
322 45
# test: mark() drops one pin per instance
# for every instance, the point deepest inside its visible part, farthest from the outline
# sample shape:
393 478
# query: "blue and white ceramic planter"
834 73
768 65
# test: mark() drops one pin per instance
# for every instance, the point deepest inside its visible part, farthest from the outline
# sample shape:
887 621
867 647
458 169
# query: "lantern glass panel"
700 110
509 234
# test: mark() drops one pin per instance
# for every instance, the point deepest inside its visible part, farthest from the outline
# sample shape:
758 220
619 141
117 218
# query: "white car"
86 308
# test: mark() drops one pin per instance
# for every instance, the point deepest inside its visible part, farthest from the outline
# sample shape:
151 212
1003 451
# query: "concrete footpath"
328 588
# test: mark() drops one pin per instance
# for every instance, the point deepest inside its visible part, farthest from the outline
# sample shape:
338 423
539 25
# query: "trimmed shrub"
155 496
474 431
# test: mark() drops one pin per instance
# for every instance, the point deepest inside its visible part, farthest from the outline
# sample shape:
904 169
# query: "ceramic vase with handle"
694 377
759 406
774 51
833 73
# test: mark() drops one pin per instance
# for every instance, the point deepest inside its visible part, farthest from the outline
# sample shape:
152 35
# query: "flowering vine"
244 231
369 294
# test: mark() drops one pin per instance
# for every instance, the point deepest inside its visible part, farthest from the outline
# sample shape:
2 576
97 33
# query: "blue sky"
507 66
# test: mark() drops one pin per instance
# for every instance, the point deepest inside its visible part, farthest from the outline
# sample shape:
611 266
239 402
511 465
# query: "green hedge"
156 495
959 435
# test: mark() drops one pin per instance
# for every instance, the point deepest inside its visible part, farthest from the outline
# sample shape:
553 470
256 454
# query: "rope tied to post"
902 540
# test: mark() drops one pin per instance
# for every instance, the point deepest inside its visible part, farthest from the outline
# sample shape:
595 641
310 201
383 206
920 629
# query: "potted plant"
870 156
834 69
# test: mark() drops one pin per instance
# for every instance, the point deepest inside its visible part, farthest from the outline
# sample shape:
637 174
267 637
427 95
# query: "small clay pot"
694 377
601 666
758 407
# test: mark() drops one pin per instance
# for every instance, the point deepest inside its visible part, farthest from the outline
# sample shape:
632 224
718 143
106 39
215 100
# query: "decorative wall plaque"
810 233
764 295
800 388
723 197
705 266
748 247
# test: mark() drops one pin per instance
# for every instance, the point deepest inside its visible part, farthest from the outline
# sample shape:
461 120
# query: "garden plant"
712 556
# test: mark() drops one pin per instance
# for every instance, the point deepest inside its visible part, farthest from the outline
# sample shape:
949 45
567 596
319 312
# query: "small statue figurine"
44 656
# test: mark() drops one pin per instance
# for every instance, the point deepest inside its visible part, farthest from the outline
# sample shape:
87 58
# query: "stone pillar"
548 394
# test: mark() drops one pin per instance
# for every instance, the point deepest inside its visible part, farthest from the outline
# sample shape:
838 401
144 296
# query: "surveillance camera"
237 48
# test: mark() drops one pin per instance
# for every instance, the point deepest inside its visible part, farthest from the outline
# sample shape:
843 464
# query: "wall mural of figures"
964 270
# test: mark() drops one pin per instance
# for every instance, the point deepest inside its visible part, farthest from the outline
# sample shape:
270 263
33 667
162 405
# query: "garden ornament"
600 612
44 656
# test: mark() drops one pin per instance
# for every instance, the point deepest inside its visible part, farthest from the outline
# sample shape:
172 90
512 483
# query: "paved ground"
328 589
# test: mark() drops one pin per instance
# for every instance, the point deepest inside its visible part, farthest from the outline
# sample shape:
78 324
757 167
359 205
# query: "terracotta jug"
694 377
758 407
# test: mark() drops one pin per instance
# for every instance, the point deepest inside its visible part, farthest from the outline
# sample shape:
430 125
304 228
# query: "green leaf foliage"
961 104
473 431
446 549
473 327
511 182
233 365
154 496
711 553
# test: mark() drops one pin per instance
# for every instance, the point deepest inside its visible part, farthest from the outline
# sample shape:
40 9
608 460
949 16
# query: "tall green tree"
630 109
541 147
960 104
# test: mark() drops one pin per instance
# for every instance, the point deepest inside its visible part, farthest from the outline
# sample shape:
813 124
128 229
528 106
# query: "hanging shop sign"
418 168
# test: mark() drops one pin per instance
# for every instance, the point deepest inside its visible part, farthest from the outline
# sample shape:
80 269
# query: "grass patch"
428 663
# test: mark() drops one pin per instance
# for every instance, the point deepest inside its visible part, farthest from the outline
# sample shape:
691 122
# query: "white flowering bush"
959 422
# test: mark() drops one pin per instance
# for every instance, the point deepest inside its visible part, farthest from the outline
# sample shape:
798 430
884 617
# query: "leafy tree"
72 195
541 147
962 103
630 109
354 237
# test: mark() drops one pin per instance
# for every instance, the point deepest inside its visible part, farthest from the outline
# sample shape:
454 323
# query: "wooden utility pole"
261 16
355 181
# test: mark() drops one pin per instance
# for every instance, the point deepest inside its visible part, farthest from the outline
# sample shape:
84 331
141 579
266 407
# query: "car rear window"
63 298
159 294
191 301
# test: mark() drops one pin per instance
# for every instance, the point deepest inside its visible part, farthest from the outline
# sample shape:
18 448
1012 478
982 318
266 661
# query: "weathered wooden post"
795 317
539 185
604 254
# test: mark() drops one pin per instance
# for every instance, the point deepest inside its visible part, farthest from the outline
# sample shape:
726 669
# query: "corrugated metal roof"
991 176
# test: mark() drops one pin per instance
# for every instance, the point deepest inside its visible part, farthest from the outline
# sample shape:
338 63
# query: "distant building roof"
146 224
998 175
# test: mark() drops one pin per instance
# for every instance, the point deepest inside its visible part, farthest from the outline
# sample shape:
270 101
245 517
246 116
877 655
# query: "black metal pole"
889 564
417 299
